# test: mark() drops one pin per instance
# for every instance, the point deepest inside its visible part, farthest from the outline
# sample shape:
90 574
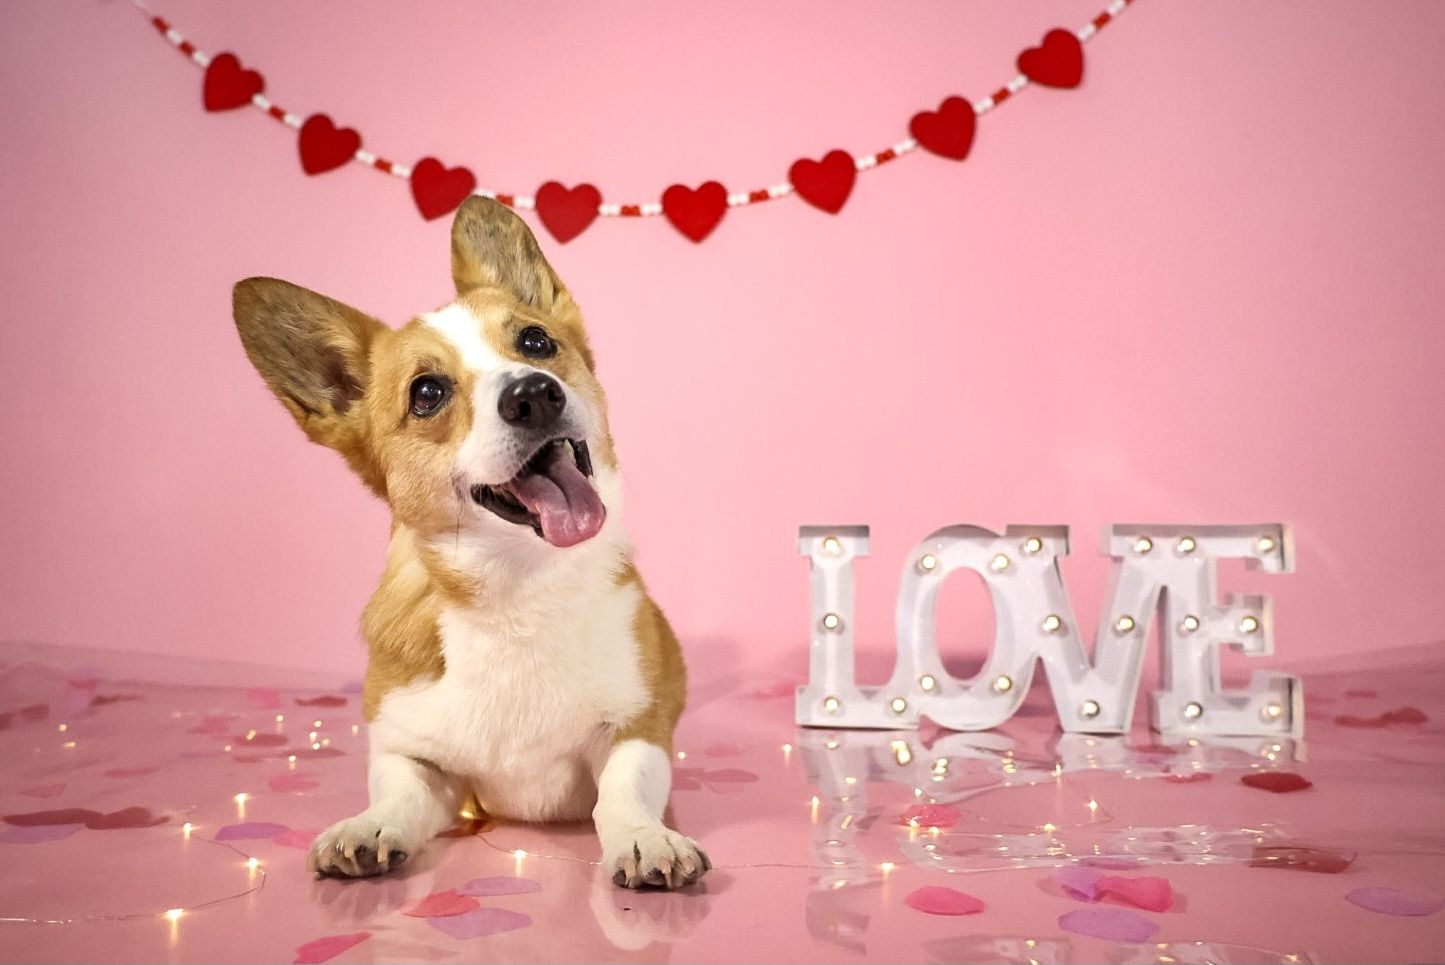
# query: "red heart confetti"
1146 892
442 904
1057 62
228 85
948 131
325 700
59 816
1277 782
936 900
325 147
133 817
932 815
1401 715
439 190
324 949
825 184
567 212
695 212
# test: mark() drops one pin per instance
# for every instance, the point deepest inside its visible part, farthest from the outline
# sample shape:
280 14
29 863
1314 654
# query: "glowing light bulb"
682 755
999 563
787 748
1125 624
250 735
68 744
186 829
315 746
832 745
519 853
227 748
926 683
898 705
832 704
1032 545
1093 805
1003 684
1053 623
174 914
1143 545
1272 712
241 797
63 728
850 780
253 863
311 736
1090 708
813 809
355 729
1189 624
325 742
291 758
927 563
1050 828
831 621
1249 625
832 546
1186 545
1264 544
886 867
316 723
1193 710
280 718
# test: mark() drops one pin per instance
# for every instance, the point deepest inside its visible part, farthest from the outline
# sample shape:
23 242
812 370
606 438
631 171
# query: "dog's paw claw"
358 847
658 858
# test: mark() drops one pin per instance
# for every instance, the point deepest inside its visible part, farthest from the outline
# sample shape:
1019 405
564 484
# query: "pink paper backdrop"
1205 287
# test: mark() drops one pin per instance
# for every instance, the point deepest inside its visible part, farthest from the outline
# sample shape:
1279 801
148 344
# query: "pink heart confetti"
38 834
1147 892
43 790
1392 901
325 949
249 831
297 781
1111 924
499 885
129 771
1078 882
480 922
932 815
297 838
442 904
936 900
1276 782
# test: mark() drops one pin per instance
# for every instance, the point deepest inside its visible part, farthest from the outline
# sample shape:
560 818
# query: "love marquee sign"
1164 571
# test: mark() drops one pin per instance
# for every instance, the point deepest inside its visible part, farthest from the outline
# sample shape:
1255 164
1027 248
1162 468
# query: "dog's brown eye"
428 392
535 343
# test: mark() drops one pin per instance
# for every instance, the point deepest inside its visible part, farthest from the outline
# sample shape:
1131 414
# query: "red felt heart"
438 189
228 85
326 147
442 904
1147 892
825 184
567 212
948 131
1057 62
695 212
1278 782
35 819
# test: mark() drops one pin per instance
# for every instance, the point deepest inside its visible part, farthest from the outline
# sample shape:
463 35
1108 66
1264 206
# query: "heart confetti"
1057 62
480 922
1276 782
1146 892
325 700
442 904
38 834
297 781
1079 883
439 190
325 147
499 885
932 815
1401 715
567 212
936 900
1111 924
325 949
249 831
296 838
1392 901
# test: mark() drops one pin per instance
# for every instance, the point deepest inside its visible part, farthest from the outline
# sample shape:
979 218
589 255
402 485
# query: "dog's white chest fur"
525 707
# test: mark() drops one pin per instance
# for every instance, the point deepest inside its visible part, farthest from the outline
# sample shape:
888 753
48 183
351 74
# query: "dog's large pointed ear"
493 247
313 352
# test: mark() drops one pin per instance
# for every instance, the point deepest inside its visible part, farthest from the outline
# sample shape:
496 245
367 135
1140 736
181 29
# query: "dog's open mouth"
552 494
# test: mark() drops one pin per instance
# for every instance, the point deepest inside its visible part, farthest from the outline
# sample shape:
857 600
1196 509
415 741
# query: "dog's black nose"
532 402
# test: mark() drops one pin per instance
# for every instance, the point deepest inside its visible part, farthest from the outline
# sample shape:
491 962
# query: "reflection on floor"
148 819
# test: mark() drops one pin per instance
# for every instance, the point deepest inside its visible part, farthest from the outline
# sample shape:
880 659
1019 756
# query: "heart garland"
826 184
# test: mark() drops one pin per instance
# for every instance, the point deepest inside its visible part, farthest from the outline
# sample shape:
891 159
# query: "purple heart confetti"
499 885
1392 901
1079 883
1111 924
480 922
38 834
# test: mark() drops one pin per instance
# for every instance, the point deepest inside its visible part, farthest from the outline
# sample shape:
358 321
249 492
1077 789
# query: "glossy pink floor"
127 797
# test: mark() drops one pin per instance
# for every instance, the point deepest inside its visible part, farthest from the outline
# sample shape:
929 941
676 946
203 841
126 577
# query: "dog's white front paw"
358 847
655 857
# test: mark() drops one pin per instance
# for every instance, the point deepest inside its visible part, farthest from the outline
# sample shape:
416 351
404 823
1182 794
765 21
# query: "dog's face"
482 418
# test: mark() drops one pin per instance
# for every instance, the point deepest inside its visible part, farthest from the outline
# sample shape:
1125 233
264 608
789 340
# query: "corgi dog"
516 661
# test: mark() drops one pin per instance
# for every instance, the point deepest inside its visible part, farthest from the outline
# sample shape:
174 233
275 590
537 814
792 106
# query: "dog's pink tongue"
565 503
